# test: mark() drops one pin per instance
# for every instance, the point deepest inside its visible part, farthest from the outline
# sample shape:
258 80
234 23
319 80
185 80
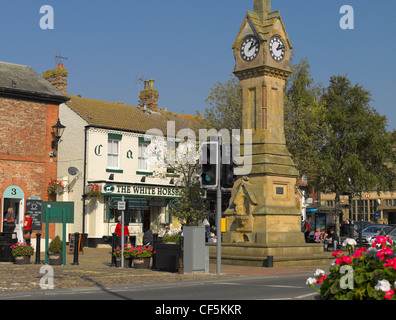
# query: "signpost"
57 212
121 205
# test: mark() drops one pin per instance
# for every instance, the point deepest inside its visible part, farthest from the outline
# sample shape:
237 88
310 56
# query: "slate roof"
120 116
22 81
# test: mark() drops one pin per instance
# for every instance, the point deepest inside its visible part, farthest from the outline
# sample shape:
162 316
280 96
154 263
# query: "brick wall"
25 146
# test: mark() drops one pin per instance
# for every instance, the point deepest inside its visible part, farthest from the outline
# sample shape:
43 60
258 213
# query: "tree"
305 128
224 100
191 206
357 151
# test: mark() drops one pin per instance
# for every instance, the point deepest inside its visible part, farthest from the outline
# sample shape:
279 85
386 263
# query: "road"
274 287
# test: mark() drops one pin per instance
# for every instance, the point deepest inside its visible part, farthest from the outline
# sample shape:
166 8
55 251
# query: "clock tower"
263 207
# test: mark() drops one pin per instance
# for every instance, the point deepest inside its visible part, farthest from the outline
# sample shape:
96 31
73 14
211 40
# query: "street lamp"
57 132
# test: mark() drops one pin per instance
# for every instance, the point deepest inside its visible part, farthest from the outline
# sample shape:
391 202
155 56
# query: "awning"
132 203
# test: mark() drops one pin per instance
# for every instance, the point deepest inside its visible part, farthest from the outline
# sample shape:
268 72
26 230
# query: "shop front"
146 208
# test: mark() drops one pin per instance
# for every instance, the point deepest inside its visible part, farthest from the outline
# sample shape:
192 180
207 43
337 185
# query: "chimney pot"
151 83
146 84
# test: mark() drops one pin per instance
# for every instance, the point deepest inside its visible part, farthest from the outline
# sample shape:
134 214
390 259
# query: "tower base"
255 255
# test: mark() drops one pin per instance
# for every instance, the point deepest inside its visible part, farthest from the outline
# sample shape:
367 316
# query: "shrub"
55 245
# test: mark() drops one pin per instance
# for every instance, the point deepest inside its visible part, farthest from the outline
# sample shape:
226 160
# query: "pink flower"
343 259
388 294
336 253
322 277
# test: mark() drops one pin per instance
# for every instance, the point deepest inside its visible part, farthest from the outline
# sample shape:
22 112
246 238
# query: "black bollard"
76 248
270 261
114 244
38 240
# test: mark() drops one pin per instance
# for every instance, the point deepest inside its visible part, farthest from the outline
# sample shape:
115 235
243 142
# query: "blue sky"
186 45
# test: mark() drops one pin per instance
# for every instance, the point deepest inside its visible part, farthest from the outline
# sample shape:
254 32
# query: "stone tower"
263 207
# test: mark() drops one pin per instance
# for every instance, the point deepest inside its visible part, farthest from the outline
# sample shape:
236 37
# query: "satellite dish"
73 171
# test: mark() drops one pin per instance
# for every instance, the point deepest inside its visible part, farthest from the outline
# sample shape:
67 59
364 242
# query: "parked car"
392 234
371 231
345 228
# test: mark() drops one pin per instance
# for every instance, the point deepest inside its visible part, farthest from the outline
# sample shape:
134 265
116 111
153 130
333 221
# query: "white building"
104 145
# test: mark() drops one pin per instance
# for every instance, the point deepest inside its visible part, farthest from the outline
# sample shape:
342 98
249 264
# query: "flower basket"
127 256
94 190
365 274
141 257
22 253
55 187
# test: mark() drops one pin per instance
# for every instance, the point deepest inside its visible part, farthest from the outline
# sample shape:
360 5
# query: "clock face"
250 48
277 48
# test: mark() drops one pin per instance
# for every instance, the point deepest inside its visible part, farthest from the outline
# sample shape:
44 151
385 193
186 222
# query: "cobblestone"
94 270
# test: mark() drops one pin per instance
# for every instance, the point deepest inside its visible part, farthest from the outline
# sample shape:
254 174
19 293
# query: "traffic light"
227 166
209 159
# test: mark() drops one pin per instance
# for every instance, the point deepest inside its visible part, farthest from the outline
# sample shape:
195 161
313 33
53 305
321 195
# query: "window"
113 154
143 157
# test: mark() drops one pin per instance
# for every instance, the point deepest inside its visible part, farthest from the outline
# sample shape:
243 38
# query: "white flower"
310 281
383 285
319 272
350 242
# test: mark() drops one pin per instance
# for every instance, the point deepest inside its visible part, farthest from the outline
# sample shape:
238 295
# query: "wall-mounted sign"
141 190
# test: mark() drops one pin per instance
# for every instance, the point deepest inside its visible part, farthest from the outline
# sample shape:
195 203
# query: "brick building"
29 108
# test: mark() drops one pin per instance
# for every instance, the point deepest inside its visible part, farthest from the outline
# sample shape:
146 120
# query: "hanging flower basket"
94 190
55 187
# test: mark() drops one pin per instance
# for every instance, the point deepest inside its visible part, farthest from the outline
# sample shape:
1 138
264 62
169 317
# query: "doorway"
13 197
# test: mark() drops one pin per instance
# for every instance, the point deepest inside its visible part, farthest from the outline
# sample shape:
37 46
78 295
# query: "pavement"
94 269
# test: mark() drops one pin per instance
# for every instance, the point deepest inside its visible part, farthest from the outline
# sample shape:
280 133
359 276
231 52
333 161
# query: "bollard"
76 248
180 269
113 246
270 261
38 240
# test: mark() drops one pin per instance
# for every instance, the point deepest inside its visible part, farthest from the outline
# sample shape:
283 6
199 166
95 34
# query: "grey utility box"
195 252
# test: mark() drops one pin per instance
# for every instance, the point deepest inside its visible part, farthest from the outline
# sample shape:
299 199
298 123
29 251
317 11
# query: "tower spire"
262 8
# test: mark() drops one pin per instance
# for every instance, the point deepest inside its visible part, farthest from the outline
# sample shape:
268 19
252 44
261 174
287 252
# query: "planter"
55 259
127 262
141 263
22 260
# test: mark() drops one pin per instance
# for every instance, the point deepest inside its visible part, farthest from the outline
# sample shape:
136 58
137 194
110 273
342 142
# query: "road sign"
367 195
121 205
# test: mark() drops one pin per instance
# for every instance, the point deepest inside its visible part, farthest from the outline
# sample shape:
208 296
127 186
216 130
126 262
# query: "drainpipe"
84 196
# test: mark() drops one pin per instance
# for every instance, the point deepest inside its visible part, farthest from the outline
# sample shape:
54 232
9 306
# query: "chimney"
149 96
57 77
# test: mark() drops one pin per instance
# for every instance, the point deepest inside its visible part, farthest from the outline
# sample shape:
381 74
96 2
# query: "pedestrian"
118 230
9 221
317 235
332 240
307 230
168 232
27 228
323 236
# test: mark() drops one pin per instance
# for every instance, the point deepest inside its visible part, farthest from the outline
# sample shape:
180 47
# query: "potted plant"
127 256
94 190
367 274
22 253
55 187
141 257
55 251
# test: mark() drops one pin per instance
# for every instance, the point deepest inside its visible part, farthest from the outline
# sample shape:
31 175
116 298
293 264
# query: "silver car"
370 232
